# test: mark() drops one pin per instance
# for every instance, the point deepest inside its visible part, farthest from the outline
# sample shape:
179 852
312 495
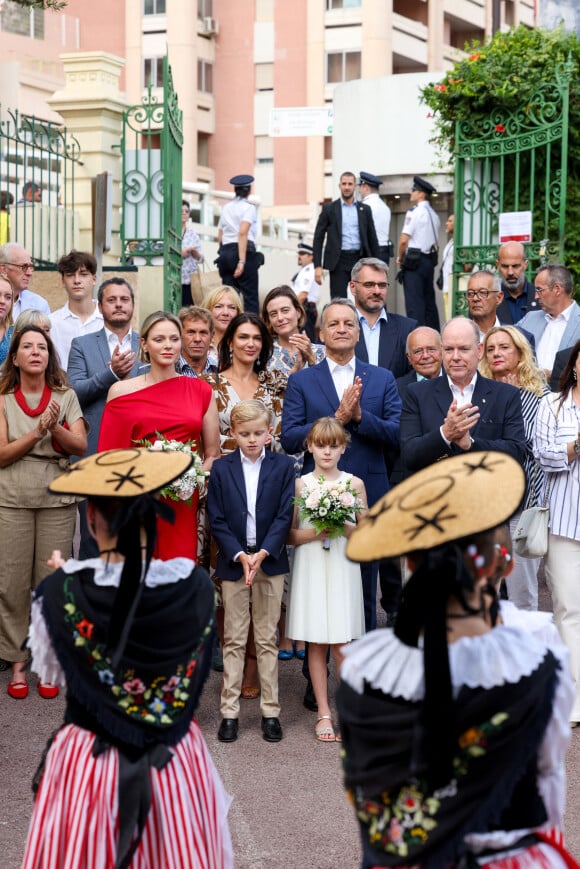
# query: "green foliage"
502 76
55 5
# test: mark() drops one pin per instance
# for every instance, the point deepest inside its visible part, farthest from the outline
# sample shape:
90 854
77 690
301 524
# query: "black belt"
251 550
250 246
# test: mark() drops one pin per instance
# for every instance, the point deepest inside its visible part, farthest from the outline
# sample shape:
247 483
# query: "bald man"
519 293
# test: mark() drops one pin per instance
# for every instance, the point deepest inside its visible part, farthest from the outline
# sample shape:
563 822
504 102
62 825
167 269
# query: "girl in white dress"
325 605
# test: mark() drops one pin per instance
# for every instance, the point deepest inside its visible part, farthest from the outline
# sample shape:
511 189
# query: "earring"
574 375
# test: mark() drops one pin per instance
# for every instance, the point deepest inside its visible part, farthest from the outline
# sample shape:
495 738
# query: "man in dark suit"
382 341
97 361
363 398
349 231
383 335
463 411
519 294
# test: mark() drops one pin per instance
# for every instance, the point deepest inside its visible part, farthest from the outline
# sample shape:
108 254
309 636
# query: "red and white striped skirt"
74 824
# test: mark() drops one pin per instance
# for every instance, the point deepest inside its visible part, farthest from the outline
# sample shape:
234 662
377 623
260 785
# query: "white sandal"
325 734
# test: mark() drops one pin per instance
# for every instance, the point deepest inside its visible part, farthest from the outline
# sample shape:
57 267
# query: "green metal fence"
512 163
37 180
151 145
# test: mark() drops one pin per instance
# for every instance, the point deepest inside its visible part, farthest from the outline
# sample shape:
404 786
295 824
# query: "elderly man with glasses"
17 267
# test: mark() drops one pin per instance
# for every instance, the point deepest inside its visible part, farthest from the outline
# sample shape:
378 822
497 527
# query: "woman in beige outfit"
41 425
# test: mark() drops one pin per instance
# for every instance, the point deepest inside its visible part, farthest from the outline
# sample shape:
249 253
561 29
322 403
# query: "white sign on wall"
515 226
302 121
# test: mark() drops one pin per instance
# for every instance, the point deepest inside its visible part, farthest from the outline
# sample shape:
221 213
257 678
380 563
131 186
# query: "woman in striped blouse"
507 356
557 449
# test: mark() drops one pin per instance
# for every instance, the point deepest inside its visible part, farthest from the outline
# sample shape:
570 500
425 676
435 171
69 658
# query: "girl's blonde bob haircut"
328 431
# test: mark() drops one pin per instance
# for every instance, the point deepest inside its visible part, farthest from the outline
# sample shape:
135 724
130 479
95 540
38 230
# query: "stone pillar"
92 108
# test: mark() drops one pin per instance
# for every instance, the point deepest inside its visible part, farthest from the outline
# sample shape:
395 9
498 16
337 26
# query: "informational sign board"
515 226
302 121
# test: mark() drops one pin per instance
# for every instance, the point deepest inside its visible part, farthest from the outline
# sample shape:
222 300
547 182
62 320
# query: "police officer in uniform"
369 191
417 255
237 258
306 288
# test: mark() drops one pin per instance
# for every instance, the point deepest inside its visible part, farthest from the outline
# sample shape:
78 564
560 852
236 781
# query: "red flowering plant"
495 80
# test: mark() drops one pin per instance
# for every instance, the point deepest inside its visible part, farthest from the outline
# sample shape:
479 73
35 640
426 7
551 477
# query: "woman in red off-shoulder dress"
179 408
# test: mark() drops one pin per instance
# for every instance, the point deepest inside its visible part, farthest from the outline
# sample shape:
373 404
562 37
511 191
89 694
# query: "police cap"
420 184
242 180
371 180
305 248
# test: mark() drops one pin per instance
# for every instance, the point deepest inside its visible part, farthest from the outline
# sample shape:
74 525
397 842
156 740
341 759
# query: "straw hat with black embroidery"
450 499
122 473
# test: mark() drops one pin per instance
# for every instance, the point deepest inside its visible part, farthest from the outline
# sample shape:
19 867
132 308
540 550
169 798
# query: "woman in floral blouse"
284 317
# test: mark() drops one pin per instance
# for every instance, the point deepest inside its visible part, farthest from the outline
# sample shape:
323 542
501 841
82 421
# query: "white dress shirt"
549 343
65 325
462 398
342 375
251 472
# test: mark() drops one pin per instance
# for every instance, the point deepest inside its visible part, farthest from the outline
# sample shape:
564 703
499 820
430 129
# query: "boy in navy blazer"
250 509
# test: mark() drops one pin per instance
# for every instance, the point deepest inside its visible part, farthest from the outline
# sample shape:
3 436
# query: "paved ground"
289 810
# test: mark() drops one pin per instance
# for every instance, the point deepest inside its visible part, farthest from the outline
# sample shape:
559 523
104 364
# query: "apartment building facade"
233 61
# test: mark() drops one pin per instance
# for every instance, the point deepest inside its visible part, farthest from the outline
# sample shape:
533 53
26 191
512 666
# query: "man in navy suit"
383 335
462 411
349 230
557 325
363 397
519 294
97 361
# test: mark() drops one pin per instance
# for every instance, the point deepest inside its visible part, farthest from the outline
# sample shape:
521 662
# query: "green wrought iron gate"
515 162
151 147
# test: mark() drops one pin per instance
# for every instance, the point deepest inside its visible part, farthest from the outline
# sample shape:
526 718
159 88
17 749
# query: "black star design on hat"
433 522
129 477
481 465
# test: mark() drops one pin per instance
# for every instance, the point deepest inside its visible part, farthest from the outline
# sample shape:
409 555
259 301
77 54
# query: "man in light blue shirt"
346 230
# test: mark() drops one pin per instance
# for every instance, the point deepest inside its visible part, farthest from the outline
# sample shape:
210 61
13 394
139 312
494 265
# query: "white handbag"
531 536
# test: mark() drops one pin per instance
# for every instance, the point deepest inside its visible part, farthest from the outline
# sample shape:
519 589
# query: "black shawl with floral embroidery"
403 820
152 695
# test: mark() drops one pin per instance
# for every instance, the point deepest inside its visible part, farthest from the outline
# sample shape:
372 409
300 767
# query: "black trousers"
340 276
247 283
420 293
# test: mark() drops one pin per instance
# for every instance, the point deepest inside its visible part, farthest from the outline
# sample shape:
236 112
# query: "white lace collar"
505 654
159 573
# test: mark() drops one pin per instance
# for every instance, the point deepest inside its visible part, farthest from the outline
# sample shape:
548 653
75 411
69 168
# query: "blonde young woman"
507 356
162 401
223 303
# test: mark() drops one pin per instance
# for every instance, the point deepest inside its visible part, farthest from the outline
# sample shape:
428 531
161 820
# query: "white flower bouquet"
194 478
328 505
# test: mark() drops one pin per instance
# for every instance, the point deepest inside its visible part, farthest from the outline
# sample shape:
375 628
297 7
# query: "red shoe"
47 690
17 690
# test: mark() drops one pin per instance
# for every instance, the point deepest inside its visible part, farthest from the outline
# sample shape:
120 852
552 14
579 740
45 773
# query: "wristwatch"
577 447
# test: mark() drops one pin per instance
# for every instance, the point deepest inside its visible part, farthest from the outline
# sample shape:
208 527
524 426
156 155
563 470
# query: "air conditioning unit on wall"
210 26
